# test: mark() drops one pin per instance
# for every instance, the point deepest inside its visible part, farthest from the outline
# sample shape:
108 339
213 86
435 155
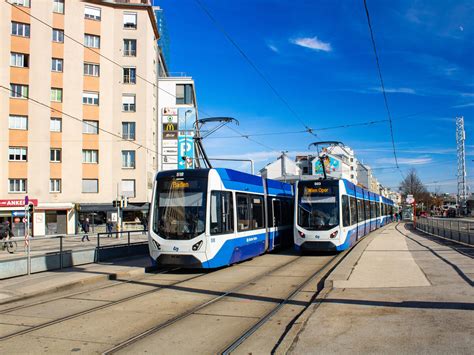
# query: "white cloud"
312 43
406 161
273 48
465 105
397 90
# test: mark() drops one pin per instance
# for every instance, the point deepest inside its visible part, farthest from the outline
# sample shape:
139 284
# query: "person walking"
109 225
85 228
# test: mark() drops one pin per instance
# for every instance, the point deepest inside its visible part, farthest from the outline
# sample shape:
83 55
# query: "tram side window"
360 210
243 213
275 219
345 211
353 207
367 209
257 212
222 212
287 212
372 209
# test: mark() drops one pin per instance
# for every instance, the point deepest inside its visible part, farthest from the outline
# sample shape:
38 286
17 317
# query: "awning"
55 206
108 207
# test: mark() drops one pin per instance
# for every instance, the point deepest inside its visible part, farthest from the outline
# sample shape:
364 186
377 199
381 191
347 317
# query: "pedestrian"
109 225
85 228
5 230
144 224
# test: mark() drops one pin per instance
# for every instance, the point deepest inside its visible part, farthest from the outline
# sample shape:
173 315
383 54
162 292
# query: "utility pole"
461 155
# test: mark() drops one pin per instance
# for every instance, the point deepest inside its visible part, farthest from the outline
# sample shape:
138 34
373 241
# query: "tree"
412 185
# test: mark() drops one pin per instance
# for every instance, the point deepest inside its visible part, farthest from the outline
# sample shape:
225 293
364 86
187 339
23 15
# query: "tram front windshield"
180 208
318 206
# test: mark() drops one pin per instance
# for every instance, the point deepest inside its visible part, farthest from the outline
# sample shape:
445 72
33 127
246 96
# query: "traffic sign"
410 199
24 220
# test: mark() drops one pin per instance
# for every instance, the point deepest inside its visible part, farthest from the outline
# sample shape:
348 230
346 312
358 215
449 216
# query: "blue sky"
318 55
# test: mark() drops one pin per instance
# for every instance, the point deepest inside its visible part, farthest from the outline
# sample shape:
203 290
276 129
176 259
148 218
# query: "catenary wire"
381 83
254 66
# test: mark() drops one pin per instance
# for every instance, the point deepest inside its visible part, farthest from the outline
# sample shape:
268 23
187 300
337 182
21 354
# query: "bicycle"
9 245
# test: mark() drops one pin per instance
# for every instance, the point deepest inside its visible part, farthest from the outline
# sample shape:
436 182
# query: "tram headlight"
301 234
333 234
197 245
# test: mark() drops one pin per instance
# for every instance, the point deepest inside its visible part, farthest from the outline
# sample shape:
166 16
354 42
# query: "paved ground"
405 294
41 246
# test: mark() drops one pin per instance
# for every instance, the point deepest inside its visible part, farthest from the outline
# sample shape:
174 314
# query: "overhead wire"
374 46
254 66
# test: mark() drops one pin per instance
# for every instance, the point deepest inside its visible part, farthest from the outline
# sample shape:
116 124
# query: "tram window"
222 212
366 210
275 220
372 209
360 210
345 211
256 203
243 213
353 207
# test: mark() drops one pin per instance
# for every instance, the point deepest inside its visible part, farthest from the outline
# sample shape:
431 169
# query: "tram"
333 214
209 218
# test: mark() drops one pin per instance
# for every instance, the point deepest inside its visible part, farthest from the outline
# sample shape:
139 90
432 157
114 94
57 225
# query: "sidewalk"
22 287
395 293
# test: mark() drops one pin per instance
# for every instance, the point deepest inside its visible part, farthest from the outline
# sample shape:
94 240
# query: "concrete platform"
22 287
399 292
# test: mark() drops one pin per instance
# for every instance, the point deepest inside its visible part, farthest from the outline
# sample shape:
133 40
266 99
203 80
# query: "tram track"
125 299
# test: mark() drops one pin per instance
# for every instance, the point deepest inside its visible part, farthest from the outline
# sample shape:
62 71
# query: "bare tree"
412 185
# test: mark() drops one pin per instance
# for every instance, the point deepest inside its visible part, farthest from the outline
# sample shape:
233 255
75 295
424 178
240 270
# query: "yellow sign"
179 185
318 190
169 127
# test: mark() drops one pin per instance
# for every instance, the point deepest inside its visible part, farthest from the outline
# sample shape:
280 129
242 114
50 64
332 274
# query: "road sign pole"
414 213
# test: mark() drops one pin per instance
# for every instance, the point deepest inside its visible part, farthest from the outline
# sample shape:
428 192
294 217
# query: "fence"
60 251
457 230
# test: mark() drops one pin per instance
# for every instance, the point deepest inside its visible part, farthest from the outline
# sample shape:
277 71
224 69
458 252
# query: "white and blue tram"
209 218
333 214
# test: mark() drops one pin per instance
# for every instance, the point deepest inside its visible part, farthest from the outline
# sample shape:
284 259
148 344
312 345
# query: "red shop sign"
17 203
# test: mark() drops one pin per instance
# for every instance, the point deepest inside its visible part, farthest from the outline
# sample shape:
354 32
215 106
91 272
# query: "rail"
457 230
62 245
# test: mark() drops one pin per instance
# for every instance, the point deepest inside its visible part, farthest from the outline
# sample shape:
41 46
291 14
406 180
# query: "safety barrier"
457 230
60 251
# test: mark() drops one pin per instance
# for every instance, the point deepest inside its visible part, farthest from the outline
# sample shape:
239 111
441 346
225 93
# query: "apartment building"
78 109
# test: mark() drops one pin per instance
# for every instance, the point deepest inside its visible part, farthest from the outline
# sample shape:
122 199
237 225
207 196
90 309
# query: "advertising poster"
186 118
170 111
331 165
185 152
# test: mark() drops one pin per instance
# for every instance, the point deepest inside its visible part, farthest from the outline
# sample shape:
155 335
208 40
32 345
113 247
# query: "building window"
17 153
58 35
18 91
90 156
58 6
55 155
16 185
18 122
56 95
91 41
129 75
128 159
92 13
55 124
90 185
128 103
90 98
184 94
25 3
55 185
128 130
130 47
91 69
128 188
90 127
130 20
20 60
20 29
57 64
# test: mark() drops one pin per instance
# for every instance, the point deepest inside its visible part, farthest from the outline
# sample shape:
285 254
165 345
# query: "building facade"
78 109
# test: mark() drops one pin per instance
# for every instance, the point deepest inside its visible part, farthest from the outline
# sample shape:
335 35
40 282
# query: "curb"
78 283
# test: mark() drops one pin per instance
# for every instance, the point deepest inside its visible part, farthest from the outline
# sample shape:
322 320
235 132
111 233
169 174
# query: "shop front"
54 218
13 211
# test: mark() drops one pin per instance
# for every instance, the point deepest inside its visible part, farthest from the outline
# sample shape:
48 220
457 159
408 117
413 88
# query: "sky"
318 56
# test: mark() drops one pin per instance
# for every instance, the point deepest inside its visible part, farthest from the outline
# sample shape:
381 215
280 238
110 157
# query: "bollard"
60 251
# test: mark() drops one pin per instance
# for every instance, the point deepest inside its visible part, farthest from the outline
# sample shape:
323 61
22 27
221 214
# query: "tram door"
276 221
